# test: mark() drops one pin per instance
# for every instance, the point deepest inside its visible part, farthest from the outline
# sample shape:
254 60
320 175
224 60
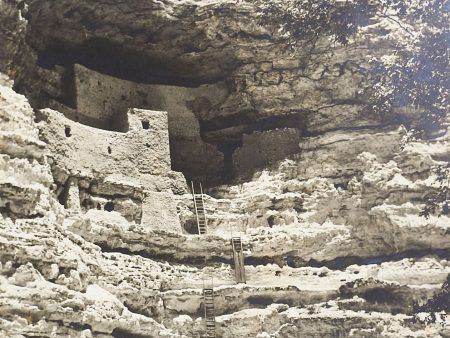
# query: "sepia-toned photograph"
224 168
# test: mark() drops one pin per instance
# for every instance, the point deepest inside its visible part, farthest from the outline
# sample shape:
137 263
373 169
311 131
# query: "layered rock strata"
98 233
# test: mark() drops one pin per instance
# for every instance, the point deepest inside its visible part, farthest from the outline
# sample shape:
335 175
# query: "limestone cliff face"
218 73
98 232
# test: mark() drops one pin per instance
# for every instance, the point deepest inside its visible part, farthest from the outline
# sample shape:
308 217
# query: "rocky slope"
97 233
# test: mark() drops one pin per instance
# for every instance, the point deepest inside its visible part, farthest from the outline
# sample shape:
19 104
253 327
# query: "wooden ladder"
200 212
210 317
238 255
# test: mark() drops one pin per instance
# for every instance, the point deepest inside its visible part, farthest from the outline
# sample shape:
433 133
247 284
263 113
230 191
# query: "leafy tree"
437 202
435 307
414 74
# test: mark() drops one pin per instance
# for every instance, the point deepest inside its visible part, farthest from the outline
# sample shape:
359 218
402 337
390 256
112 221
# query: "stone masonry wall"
270 146
81 148
101 100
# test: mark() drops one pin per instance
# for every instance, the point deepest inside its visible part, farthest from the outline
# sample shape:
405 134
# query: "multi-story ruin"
173 169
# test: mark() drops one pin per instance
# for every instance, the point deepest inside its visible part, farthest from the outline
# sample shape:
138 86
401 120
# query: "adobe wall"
106 171
260 148
138 152
100 96
101 101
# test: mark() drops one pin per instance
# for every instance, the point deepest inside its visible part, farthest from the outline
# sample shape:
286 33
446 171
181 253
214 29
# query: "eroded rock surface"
222 76
98 234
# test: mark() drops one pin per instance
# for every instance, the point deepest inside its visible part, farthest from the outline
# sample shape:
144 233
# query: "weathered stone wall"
110 171
261 148
102 100
101 96
133 154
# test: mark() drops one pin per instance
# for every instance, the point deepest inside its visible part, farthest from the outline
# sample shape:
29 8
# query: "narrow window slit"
67 131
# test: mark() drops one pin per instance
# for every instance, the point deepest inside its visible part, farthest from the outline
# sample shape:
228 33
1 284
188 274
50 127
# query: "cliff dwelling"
224 169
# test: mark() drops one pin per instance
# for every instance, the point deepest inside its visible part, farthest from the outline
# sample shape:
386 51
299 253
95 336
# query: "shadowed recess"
113 59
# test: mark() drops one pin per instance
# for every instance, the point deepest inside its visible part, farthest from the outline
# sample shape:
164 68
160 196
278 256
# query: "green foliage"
437 306
414 72
437 202
310 19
